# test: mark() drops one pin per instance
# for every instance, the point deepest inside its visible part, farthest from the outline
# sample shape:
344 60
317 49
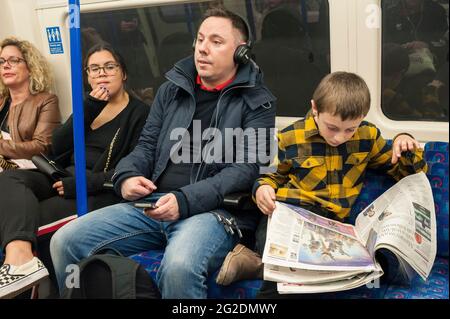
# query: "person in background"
28 111
416 23
395 63
113 120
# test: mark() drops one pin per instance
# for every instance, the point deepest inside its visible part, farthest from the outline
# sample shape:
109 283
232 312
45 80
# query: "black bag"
108 276
49 167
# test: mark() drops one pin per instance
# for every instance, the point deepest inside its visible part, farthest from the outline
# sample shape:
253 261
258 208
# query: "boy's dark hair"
344 94
106 47
237 22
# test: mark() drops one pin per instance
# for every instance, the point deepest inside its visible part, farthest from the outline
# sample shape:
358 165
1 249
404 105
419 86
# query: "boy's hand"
403 143
265 199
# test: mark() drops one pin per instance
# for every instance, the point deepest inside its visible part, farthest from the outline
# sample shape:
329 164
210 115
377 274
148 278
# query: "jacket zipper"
217 110
193 99
217 124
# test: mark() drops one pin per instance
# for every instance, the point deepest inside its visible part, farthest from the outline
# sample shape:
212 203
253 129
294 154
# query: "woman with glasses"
113 121
28 112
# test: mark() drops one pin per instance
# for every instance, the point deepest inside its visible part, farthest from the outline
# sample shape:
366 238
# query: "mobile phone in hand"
145 205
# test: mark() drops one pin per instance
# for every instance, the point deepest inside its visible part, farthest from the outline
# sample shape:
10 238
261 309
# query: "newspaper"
307 253
21 163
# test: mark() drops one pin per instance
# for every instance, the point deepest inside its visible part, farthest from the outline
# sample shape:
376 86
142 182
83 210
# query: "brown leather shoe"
240 263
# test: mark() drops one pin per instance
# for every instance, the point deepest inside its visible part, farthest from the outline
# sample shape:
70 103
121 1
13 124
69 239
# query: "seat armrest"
239 201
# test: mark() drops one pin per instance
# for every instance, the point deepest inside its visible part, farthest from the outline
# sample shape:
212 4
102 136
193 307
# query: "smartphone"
145 205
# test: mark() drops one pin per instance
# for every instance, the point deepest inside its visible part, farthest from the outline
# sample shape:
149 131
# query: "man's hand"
167 209
265 199
100 93
136 187
59 188
403 143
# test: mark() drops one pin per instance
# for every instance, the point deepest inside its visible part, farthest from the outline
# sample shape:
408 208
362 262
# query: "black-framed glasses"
108 69
12 61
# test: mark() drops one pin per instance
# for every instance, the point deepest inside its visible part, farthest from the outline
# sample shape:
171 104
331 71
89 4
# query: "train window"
173 14
415 60
293 50
291 43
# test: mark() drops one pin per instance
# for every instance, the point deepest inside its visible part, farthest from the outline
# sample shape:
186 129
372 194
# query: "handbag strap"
108 160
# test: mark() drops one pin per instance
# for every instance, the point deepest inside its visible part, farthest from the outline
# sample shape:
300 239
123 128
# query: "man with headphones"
217 88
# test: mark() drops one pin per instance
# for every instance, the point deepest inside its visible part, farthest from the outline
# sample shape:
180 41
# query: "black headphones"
242 54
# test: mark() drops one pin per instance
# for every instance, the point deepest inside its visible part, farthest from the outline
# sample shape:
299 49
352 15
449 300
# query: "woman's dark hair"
106 47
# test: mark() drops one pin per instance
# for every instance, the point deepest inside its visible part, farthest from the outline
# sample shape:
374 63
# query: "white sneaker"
16 279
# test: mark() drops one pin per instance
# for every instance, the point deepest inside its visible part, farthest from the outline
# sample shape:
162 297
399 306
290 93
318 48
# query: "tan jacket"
31 124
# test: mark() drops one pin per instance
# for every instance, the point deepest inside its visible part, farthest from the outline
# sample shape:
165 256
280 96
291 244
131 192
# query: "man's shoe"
16 279
240 263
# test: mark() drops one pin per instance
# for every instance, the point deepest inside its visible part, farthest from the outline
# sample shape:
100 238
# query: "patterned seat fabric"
245 289
436 286
436 154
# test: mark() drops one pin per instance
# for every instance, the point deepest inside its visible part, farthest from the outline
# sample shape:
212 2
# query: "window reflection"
415 60
291 43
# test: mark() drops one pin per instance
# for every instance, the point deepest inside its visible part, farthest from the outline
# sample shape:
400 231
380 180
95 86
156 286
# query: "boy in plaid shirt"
322 163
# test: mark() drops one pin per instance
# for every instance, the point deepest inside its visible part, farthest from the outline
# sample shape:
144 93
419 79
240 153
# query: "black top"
177 175
99 140
4 116
130 121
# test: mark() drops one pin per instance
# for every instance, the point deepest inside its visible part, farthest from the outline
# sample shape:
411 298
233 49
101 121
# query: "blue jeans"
194 247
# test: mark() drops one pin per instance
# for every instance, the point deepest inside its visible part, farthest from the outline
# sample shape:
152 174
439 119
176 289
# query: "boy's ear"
314 108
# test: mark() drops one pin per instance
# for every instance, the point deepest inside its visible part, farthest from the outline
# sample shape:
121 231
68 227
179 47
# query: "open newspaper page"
403 220
300 239
22 163
309 278
307 253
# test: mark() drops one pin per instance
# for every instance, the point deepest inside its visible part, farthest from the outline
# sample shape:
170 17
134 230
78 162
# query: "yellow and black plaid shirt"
312 172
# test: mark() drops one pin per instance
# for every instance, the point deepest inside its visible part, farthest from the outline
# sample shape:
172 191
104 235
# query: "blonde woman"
28 112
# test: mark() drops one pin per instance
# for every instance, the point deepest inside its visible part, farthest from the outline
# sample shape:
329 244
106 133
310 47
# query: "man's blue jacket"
245 103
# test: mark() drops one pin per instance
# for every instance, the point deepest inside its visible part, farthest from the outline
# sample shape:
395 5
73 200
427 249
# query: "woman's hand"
100 93
59 188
